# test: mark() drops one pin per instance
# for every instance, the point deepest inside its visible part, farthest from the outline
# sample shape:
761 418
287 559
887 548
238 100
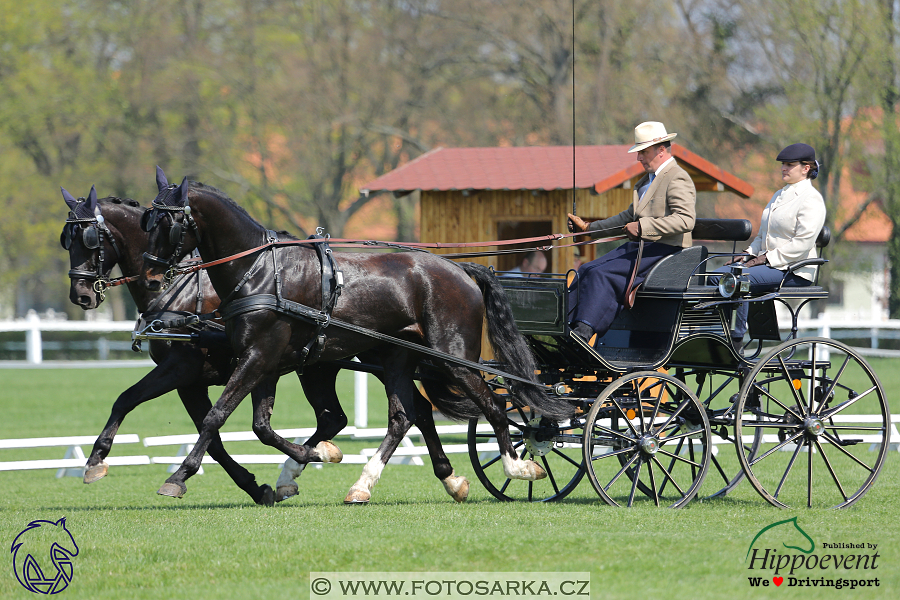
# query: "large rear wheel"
825 423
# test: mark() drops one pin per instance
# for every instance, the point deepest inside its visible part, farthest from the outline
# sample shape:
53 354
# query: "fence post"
33 352
360 398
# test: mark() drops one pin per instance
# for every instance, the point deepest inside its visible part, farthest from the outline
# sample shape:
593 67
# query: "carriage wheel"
645 421
554 446
823 412
720 474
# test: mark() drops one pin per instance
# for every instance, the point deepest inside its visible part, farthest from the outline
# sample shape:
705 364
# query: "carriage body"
663 393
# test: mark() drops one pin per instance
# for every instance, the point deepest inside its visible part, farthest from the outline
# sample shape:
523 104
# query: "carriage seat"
673 273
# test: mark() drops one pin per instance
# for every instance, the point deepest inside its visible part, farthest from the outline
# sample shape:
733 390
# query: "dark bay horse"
415 297
102 234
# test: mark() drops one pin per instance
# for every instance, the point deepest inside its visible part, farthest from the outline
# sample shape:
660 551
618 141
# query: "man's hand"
576 224
633 231
758 260
737 260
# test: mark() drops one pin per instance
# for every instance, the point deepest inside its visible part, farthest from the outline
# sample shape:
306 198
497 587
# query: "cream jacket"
790 224
666 212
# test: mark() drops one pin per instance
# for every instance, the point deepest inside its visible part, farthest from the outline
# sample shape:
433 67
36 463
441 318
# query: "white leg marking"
516 468
285 487
360 492
457 486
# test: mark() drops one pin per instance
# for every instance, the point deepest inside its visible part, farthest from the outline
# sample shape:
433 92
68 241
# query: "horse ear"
70 200
161 181
183 192
87 208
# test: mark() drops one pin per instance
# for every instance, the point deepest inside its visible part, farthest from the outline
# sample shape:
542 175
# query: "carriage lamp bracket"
736 283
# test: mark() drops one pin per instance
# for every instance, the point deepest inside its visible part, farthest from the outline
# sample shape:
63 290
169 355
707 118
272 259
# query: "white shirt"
790 224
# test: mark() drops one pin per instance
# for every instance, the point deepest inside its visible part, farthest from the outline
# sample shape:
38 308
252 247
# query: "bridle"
92 235
177 231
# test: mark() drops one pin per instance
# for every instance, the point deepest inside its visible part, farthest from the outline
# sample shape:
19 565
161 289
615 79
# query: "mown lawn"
215 543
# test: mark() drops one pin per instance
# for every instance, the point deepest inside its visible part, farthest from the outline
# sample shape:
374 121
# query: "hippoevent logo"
42 556
784 554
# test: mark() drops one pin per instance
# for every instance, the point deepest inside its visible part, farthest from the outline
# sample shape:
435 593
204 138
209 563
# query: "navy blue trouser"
597 294
763 278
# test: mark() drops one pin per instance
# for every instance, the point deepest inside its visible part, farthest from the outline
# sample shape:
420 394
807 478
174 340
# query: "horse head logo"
40 545
786 531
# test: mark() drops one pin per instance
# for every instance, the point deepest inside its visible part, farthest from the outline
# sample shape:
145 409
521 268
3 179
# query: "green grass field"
214 543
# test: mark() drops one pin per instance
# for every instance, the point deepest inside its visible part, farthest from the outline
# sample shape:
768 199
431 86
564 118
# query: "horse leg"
196 401
164 378
456 485
246 376
492 406
398 383
318 382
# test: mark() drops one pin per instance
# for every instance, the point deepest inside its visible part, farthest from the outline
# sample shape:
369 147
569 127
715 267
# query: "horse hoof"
538 471
357 497
96 472
286 491
173 490
268 495
329 452
457 487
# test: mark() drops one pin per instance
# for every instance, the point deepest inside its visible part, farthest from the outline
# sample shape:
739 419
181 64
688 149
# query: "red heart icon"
778 580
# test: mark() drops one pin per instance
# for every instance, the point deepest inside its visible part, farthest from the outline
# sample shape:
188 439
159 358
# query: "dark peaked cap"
797 152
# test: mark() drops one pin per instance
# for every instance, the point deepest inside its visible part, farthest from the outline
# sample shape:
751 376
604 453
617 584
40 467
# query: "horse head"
785 533
93 251
172 231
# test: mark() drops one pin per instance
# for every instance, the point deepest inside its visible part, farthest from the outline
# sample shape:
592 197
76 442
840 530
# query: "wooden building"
481 194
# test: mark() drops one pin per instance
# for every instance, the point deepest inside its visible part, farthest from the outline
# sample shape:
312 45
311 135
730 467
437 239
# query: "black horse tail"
511 349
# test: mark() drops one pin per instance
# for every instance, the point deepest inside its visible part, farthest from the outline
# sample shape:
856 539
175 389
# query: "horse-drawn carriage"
643 411
658 394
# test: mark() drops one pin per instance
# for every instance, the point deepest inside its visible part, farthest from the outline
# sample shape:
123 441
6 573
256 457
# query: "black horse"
101 234
414 297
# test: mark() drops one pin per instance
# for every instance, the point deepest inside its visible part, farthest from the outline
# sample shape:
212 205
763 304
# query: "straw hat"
650 133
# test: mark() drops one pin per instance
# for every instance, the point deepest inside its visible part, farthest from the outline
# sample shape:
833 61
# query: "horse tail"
511 348
452 403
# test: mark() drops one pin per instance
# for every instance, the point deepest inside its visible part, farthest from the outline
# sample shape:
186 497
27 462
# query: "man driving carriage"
658 223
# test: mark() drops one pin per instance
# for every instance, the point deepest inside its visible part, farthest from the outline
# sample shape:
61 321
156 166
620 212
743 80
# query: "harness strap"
240 306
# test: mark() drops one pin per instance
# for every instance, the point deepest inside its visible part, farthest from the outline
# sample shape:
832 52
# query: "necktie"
643 189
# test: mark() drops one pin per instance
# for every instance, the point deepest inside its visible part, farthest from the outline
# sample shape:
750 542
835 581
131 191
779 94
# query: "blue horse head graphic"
790 531
40 545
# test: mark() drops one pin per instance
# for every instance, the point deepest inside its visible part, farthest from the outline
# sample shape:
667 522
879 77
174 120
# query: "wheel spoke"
836 444
613 432
798 401
812 380
787 470
721 471
834 382
625 416
834 476
848 403
777 447
809 456
622 470
677 411
653 483
566 457
777 401
669 476
634 481
671 465
608 454
549 474
681 458
490 462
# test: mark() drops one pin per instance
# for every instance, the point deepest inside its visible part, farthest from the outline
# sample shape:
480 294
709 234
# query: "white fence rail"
33 325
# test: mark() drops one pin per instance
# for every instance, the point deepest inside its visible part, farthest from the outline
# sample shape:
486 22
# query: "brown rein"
349 243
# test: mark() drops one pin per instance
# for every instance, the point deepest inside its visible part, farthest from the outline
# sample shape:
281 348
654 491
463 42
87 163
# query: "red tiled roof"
507 168
531 168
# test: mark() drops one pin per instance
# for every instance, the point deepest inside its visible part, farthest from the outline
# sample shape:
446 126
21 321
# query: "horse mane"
121 201
223 197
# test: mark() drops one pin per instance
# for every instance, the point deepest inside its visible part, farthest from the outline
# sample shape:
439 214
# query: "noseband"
177 233
92 237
